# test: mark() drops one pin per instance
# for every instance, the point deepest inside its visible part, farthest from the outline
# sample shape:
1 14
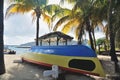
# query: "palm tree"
39 7
113 25
71 20
111 33
2 66
112 19
96 18
80 14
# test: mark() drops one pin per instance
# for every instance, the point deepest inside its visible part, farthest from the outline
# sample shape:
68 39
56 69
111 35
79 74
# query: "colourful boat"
73 58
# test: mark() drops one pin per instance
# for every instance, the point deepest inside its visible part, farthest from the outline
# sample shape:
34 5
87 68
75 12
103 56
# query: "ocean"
19 50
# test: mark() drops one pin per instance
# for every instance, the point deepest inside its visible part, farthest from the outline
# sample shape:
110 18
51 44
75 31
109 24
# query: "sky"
19 28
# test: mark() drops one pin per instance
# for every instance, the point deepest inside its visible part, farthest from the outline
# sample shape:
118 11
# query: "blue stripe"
69 50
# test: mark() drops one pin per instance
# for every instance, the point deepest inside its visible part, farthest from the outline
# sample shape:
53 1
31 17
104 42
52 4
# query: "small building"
54 38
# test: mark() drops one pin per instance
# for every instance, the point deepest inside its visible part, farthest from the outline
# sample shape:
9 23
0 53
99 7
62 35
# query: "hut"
55 37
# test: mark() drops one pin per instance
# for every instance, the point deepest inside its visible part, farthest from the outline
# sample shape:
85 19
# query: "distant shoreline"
23 47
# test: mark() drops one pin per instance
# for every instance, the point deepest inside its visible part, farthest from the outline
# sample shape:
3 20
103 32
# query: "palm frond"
51 9
72 23
34 16
41 3
77 31
69 1
67 27
80 29
61 21
12 9
60 13
17 8
46 18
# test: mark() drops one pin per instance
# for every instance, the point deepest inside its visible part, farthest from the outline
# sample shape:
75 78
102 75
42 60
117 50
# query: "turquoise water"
19 50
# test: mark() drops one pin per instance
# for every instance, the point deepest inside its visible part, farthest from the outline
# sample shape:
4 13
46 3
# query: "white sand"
20 71
25 71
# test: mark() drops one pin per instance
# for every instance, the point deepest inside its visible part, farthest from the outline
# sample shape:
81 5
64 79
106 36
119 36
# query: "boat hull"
77 64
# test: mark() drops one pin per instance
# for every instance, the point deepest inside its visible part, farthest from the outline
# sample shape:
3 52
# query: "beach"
20 71
26 71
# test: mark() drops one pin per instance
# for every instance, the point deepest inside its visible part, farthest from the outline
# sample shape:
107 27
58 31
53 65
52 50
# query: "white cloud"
16 40
19 25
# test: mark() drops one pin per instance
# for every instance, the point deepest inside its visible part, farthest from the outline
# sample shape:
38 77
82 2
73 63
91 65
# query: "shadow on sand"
27 71
22 71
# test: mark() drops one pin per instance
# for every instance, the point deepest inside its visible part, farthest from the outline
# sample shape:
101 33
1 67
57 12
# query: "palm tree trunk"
80 37
112 35
91 40
38 14
93 33
112 47
80 34
89 32
2 66
37 32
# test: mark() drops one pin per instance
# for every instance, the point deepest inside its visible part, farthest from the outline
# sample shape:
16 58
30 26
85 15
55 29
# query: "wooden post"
41 42
65 41
49 41
57 41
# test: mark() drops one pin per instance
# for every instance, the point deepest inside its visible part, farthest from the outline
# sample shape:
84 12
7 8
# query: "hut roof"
56 34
